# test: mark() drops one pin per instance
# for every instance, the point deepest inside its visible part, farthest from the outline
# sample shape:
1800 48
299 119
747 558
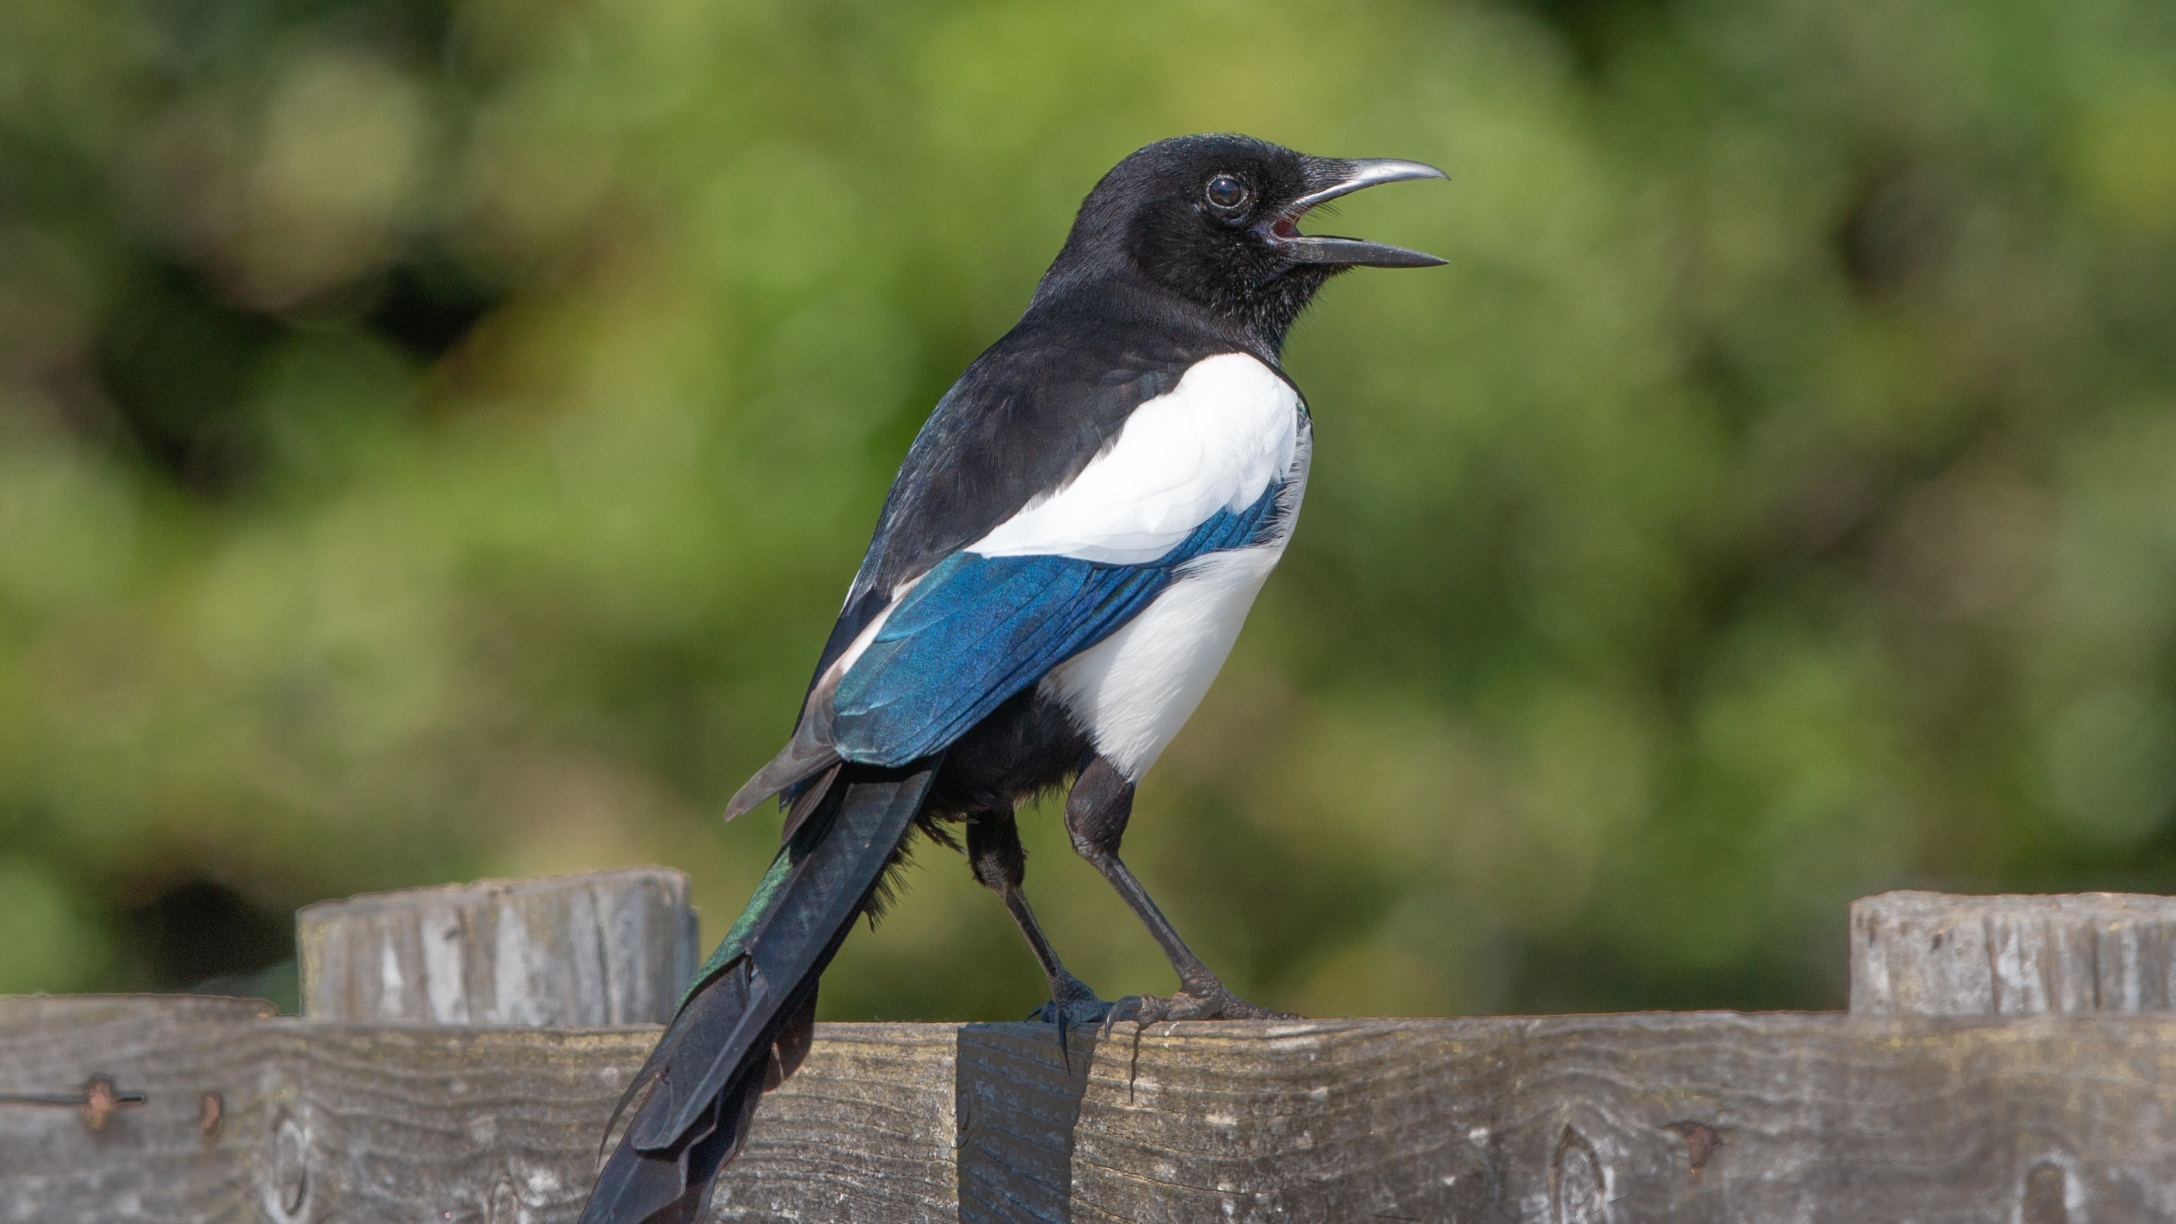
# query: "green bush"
434 441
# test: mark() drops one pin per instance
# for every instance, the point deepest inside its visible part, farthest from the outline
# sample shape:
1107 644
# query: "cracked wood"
1691 1117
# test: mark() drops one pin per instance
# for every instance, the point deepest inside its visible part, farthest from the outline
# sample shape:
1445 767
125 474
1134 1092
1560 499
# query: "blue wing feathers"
974 633
977 630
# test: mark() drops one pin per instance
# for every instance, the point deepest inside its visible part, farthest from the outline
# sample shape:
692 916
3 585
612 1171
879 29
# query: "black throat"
1269 310
1252 314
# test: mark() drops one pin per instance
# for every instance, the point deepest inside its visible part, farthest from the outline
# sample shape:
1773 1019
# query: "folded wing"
1195 471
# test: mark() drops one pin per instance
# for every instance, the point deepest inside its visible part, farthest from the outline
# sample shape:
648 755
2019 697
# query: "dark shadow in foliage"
1593 29
204 937
428 307
176 361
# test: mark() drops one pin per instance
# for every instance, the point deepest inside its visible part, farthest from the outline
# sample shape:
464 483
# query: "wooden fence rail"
2019 1118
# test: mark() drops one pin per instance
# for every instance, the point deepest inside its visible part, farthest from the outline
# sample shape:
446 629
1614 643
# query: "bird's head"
1214 220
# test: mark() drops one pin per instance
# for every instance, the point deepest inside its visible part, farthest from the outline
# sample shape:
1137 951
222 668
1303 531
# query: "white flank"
1214 442
1132 691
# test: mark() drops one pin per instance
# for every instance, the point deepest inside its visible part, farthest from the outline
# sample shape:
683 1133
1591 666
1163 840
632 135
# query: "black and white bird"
1061 567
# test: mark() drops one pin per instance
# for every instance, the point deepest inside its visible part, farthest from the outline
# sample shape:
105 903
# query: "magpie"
1058 573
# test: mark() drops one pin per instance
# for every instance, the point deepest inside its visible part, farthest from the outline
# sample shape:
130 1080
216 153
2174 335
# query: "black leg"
1000 863
1095 815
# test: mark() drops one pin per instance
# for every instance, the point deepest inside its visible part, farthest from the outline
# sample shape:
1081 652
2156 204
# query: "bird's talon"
1209 1002
1073 1013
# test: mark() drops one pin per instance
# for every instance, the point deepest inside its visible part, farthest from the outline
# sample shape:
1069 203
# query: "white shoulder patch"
1214 442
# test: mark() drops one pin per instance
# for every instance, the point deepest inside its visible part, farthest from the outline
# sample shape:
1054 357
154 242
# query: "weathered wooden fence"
2005 1059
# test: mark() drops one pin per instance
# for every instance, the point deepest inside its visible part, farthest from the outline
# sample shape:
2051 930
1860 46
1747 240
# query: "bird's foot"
1206 1000
1201 1001
1086 1013
1072 1006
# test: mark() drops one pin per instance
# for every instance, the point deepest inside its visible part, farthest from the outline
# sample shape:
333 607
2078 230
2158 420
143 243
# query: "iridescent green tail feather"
745 1021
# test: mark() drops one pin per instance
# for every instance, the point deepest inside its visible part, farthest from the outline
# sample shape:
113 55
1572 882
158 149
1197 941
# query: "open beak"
1339 178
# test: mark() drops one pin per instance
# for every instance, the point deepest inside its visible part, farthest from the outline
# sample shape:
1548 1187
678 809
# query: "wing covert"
979 629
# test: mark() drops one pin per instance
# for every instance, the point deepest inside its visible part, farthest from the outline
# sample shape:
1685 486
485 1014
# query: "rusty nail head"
101 1102
96 1104
1701 1141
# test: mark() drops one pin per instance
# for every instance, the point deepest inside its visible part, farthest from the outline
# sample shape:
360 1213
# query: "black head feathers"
1213 222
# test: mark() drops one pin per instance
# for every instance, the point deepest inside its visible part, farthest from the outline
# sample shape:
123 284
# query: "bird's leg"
1000 863
1096 813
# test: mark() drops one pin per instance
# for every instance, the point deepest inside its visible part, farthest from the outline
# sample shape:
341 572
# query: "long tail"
745 1023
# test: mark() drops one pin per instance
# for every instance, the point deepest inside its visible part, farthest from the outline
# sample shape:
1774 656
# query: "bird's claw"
1072 1013
1072 1006
1203 1001
1207 1001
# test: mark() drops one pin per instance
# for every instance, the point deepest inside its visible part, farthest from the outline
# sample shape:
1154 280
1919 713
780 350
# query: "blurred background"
435 436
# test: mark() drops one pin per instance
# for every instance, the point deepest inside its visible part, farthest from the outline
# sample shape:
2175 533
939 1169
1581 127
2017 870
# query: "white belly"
1132 691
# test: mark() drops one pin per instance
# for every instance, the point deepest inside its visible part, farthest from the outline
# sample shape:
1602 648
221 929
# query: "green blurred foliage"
434 439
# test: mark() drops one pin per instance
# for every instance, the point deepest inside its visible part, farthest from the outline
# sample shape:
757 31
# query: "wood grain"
1692 1117
151 1162
607 947
1937 954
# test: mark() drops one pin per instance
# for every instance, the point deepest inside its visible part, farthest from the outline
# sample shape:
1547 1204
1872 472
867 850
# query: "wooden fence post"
193 1111
1934 954
606 947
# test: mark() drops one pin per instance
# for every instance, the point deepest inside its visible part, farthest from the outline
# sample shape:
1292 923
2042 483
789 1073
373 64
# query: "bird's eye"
1227 192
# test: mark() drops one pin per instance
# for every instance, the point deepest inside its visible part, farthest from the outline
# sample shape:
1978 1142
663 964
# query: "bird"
1057 575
